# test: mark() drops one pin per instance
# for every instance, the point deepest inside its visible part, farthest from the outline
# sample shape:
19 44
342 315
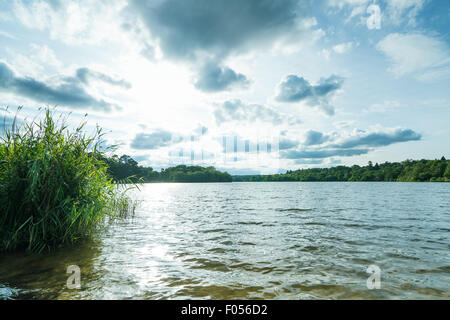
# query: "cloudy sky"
246 86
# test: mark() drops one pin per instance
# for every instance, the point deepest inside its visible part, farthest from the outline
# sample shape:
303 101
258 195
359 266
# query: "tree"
447 172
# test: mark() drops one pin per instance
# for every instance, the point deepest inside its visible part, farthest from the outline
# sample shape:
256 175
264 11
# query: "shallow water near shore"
257 240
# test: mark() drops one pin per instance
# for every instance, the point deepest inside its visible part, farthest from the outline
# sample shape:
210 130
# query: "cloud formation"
72 22
297 89
285 144
236 110
212 30
320 154
190 29
213 78
395 12
418 55
314 137
378 139
69 92
358 143
344 47
155 140
86 74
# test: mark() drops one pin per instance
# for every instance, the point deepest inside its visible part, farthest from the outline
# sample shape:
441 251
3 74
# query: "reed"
54 187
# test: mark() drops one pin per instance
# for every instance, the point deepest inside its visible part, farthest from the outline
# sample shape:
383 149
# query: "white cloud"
344 47
24 65
45 55
399 10
73 22
423 57
383 107
357 11
342 3
325 53
236 110
395 12
34 61
7 35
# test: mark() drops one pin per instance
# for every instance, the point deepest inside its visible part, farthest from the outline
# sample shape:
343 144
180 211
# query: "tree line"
405 171
126 168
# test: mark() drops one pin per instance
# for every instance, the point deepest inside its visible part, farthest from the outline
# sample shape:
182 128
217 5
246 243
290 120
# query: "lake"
256 240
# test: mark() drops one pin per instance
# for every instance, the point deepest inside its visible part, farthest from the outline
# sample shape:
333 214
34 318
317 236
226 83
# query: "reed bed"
54 186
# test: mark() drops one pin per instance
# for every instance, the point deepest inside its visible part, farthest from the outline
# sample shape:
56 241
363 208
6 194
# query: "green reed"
54 187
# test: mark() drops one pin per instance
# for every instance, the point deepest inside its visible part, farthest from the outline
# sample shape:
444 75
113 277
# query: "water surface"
257 240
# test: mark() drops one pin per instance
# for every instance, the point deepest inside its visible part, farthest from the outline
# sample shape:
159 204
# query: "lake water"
281 240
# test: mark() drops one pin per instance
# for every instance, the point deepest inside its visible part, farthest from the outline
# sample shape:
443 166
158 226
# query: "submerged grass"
54 187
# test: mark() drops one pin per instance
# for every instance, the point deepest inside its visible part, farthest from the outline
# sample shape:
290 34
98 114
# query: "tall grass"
54 187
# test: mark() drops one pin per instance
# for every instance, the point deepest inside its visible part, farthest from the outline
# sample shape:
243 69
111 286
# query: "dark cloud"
150 141
199 30
351 146
285 144
68 93
236 110
296 89
6 76
314 138
55 4
378 139
320 154
328 85
190 28
213 78
85 74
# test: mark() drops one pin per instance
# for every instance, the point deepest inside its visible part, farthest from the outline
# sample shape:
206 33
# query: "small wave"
401 256
178 282
222 292
444 269
208 264
321 290
213 230
222 250
247 244
310 248
294 210
7 293
314 223
249 223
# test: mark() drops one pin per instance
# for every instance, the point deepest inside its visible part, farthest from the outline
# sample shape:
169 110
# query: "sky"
255 86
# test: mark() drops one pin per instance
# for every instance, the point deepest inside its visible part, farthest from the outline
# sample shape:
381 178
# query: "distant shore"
405 171
125 168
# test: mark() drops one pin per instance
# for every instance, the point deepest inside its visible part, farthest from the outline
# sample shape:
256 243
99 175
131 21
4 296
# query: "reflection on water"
256 241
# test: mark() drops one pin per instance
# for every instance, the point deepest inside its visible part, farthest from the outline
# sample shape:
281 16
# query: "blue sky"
246 86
